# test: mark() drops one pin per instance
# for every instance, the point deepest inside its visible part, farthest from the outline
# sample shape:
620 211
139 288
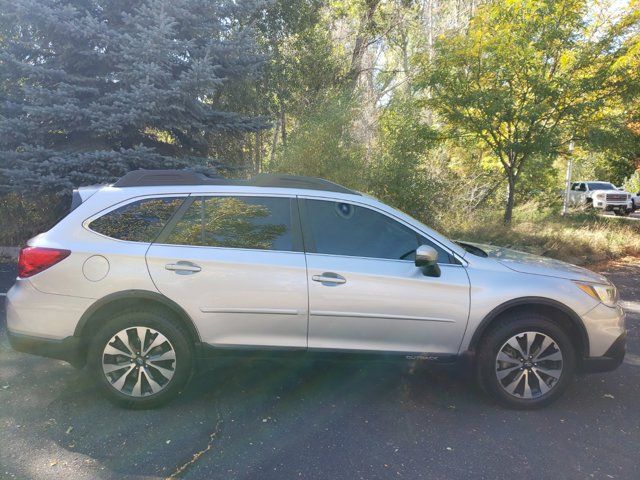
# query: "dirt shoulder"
624 273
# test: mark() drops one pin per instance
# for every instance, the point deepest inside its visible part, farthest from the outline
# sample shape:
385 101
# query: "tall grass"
580 238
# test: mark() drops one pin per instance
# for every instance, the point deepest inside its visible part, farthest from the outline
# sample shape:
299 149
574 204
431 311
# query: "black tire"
181 365
498 335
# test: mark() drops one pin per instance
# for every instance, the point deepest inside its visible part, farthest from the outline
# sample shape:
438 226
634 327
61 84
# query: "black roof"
148 178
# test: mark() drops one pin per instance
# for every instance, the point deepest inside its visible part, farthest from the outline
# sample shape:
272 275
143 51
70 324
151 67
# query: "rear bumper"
610 360
68 349
33 313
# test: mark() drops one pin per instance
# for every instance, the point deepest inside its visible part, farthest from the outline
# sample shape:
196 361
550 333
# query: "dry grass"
580 238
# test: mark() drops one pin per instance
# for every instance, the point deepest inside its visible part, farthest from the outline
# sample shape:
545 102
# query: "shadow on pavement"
268 403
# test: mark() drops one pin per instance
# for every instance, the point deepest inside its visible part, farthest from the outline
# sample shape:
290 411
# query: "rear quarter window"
139 221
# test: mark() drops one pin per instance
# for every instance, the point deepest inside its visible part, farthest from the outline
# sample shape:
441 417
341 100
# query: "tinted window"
350 230
236 222
601 186
139 221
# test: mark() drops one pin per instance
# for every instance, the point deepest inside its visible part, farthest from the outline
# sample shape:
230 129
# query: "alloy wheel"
139 361
529 365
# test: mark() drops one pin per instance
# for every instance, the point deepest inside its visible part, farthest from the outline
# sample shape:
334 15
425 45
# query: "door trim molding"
267 311
329 313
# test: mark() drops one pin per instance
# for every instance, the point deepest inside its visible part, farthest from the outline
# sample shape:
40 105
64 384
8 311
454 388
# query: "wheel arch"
119 301
553 309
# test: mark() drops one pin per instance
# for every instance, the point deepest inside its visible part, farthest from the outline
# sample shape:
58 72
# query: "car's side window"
263 223
139 221
340 228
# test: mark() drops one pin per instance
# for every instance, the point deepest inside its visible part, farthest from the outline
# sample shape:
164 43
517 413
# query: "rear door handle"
329 278
183 268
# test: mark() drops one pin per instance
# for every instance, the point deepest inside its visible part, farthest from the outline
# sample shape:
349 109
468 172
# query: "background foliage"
456 111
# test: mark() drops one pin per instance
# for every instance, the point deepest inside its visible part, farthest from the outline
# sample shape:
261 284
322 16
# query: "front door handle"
183 268
329 278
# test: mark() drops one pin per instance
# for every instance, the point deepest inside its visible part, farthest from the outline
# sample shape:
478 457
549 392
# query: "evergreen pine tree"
90 89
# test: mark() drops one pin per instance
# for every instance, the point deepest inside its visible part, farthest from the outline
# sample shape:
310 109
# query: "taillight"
34 260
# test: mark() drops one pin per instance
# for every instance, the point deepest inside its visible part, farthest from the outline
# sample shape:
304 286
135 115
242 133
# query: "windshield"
601 186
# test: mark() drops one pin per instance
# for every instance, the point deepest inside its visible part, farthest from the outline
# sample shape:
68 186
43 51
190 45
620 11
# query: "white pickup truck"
635 201
602 195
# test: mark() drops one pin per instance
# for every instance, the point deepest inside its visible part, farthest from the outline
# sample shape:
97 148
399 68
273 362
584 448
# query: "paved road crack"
196 456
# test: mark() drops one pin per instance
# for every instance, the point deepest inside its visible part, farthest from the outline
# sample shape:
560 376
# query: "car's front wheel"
140 359
526 362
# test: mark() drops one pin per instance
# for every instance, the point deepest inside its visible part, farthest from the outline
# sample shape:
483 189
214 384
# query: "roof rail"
297 181
147 178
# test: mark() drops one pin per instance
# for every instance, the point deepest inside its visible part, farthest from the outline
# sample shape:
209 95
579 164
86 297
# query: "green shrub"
22 217
632 183
323 146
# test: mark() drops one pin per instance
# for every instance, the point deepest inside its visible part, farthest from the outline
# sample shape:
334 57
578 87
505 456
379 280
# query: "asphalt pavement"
319 420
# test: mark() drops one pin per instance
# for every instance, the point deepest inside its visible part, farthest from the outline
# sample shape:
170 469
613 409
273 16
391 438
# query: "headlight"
607 294
599 196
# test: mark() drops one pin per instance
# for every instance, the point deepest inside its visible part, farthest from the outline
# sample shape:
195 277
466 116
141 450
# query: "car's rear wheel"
140 359
526 362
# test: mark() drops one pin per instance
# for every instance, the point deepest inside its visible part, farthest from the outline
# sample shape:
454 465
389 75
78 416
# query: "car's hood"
593 192
528 263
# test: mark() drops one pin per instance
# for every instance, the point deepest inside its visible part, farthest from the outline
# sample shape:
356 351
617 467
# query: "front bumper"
68 349
610 207
610 360
604 327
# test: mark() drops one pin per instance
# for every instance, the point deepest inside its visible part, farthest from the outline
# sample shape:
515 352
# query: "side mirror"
427 259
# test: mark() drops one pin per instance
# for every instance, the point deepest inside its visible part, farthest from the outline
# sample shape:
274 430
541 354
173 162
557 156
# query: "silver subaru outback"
145 277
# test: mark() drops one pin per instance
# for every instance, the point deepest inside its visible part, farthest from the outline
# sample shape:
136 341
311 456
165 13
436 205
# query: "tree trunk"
430 33
512 168
258 153
274 142
283 125
362 40
427 20
511 193
405 64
